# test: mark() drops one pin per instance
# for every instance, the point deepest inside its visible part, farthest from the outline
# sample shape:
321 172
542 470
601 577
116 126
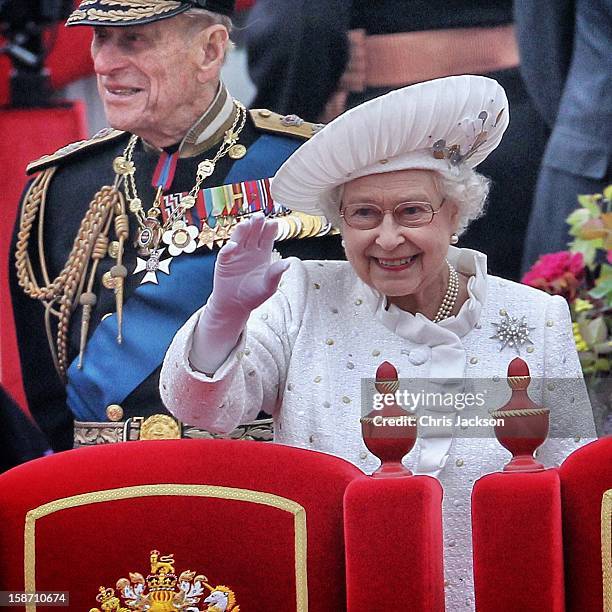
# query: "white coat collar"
442 345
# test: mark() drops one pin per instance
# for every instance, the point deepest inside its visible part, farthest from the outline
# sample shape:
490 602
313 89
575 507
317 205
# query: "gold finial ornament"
518 383
88 301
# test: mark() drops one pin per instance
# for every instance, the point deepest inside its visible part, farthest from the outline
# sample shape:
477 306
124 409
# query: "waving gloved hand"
245 278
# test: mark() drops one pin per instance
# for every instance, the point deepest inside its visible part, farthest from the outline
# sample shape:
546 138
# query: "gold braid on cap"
129 10
61 296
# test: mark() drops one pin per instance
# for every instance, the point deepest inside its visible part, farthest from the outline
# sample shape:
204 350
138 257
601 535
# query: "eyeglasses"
406 214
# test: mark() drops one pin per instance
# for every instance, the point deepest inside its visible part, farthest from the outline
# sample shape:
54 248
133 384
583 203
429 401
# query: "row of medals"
290 225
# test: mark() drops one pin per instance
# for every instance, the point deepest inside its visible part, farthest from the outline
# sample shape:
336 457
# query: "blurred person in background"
117 234
329 55
566 53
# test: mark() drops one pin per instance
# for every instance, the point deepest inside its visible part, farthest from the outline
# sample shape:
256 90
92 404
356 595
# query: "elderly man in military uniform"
116 240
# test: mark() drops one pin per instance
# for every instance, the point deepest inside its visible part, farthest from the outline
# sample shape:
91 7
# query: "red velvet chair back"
551 546
229 510
586 493
264 520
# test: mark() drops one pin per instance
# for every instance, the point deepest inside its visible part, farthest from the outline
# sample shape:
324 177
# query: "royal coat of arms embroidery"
163 591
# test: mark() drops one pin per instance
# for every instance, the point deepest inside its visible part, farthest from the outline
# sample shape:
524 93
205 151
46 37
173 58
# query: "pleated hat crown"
440 125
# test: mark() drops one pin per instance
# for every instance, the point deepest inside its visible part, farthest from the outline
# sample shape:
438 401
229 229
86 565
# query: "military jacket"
147 329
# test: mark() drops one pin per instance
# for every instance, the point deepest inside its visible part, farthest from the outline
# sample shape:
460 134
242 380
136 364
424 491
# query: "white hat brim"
396 131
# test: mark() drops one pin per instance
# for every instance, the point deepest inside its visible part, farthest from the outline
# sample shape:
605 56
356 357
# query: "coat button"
419 355
114 412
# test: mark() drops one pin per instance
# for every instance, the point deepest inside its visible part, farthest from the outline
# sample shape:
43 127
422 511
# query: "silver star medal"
512 332
153 265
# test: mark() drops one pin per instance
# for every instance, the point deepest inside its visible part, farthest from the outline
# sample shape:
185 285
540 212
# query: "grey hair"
336 195
201 19
209 18
467 189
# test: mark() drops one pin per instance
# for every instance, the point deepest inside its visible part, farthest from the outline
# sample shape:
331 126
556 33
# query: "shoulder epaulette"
72 149
291 125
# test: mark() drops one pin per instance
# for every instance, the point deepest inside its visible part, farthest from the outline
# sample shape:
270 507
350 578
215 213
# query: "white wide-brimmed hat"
438 125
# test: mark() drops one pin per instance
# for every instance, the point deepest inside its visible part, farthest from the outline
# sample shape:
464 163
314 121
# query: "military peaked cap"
138 12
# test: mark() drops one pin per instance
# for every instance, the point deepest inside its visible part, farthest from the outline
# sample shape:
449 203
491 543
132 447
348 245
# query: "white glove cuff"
214 338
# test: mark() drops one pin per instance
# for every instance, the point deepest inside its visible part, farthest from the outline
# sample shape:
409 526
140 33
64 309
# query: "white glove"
245 278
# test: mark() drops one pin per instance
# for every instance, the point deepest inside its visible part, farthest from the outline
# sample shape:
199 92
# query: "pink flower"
554 265
557 273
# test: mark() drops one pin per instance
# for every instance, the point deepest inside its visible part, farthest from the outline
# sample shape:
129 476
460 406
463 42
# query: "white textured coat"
306 351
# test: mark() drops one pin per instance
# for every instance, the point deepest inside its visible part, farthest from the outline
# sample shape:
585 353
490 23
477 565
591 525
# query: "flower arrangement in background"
583 276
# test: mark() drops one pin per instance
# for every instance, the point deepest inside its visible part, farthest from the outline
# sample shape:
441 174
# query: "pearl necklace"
450 297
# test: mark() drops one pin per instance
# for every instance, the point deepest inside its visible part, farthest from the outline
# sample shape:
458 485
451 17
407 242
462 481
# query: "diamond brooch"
513 332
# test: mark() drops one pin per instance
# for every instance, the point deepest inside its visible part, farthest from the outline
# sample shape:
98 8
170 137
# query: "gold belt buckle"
155 427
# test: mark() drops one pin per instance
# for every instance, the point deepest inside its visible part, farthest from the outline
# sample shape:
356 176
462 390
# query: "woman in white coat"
396 176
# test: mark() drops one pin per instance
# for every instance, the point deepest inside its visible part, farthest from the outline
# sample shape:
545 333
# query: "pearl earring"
343 244
454 239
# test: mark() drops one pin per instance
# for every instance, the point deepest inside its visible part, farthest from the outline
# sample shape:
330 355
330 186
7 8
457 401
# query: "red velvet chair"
281 528
517 543
586 497
542 541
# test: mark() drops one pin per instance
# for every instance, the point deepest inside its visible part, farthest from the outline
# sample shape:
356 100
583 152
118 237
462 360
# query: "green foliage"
591 226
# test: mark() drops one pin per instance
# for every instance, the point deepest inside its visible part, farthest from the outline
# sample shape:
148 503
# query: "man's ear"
213 43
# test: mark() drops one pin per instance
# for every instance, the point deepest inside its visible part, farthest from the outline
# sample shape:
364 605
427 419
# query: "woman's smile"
395 264
406 264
